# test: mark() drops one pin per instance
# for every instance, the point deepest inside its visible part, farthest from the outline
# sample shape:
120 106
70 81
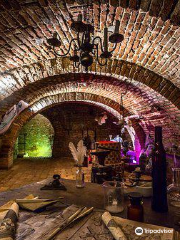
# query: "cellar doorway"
35 139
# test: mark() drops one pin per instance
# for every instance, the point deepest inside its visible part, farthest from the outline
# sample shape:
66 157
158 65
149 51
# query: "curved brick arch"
9 138
152 116
18 81
149 54
41 86
144 91
138 100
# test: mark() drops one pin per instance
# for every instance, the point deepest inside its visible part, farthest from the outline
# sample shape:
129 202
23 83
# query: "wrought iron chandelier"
85 46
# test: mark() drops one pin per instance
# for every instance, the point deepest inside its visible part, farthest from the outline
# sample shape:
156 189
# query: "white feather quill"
73 151
81 149
78 154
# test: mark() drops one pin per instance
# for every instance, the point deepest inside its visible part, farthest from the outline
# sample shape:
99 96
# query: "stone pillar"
6 154
60 144
9 138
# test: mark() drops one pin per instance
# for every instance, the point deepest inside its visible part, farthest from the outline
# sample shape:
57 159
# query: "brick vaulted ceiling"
147 61
150 27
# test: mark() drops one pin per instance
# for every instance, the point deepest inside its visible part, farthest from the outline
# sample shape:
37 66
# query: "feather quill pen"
74 152
78 154
81 149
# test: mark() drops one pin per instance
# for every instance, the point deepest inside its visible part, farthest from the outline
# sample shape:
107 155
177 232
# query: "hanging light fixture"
85 46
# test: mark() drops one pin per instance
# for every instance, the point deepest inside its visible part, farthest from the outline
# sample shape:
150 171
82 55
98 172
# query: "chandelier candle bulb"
105 39
117 26
75 51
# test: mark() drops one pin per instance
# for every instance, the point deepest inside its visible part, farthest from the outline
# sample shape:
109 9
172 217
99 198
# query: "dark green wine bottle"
159 184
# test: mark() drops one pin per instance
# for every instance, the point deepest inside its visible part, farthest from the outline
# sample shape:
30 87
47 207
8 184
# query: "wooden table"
91 195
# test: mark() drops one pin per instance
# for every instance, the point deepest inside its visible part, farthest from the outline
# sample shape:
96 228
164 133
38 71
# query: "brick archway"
62 71
139 99
147 97
9 138
149 54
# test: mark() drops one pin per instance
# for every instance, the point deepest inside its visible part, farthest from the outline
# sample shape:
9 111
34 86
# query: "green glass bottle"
159 199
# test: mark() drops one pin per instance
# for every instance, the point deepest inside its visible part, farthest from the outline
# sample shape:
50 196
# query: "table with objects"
91 227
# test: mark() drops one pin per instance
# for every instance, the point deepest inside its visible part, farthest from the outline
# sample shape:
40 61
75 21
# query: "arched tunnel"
104 72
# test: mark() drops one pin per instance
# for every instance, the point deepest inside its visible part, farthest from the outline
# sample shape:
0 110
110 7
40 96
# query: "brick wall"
147 61
9 138
72 121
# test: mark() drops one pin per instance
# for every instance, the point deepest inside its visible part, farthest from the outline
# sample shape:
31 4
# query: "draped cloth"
9 217
11 114
9 213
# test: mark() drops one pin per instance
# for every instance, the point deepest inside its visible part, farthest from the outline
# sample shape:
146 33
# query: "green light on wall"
41 150
36 138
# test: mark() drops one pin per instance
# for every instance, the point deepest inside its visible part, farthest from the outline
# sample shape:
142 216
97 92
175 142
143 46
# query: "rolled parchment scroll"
113 227
8 224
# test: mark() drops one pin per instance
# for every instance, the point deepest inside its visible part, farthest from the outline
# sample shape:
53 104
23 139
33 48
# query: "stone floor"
26 171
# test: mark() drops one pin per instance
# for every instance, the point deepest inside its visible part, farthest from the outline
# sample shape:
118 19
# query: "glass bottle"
79 177
113 196
159 199
135 210
174 194
174 151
